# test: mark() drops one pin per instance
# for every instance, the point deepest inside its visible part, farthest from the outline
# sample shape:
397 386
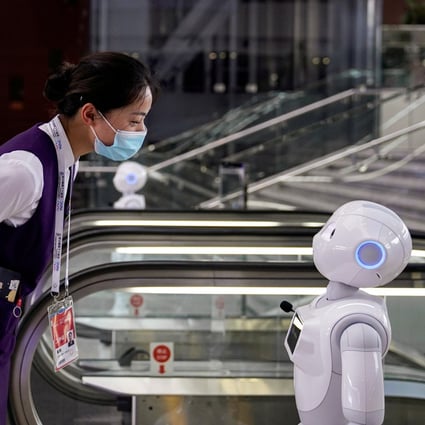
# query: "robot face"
130 177
363 244
370 255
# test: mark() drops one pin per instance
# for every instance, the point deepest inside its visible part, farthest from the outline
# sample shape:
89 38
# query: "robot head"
130 177
363 244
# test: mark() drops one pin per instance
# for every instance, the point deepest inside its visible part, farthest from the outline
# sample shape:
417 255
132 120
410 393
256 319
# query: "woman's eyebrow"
143 114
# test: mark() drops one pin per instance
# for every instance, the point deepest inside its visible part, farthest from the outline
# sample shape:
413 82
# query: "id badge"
62 328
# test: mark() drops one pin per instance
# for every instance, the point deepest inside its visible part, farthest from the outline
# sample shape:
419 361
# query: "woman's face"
128 118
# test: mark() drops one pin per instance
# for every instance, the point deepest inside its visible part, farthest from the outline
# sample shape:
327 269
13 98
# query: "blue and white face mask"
126 143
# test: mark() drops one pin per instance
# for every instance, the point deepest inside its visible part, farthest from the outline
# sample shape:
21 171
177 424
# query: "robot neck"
338 290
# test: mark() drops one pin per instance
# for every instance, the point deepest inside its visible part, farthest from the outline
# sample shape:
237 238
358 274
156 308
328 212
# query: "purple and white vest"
27 249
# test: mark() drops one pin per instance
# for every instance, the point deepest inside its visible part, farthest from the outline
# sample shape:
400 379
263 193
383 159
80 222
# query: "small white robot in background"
338 341
128 179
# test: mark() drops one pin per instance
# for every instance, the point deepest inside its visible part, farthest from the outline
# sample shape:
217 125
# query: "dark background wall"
393 11
34 37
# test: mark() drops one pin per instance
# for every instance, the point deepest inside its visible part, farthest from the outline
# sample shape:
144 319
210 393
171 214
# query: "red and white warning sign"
162 357
136 301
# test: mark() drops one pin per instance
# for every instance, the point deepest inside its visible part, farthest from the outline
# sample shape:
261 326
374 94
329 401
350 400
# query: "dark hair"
109 80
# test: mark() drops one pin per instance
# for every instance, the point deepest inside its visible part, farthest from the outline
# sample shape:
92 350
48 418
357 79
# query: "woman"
101 104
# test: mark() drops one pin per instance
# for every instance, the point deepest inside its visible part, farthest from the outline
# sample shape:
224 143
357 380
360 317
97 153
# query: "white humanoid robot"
128 179
338 341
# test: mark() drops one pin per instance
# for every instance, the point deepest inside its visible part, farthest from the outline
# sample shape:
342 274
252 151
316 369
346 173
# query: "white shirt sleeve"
21 186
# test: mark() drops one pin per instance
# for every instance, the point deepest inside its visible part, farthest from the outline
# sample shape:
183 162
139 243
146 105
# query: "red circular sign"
136 300
161 353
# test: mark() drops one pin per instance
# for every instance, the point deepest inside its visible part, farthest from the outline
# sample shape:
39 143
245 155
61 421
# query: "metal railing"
287 175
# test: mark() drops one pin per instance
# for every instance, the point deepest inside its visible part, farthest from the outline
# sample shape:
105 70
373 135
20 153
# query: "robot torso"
313 341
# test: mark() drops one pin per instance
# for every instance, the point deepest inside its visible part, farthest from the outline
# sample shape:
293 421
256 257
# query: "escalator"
258 109
387 170
210 284
190 160
185 175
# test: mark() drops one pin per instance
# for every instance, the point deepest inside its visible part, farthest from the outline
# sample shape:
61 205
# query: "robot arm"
362 389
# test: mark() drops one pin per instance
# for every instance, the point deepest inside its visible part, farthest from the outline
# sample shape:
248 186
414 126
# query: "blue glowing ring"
131 178
379 252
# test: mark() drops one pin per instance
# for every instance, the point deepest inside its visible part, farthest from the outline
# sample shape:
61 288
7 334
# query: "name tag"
62 328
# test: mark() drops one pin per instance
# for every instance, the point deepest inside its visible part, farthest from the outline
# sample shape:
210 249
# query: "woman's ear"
88 114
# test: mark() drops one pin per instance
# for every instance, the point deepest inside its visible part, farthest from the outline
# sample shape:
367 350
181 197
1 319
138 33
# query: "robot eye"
370 255
131 178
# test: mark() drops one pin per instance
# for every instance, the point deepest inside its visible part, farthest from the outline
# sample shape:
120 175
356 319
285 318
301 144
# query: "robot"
338 341
128 179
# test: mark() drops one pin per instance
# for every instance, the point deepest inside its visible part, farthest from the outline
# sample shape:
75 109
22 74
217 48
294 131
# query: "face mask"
126 143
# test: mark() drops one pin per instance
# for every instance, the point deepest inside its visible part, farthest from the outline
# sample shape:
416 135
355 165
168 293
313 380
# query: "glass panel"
386 172
403 54
212 336
193 181
258 109
219 334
